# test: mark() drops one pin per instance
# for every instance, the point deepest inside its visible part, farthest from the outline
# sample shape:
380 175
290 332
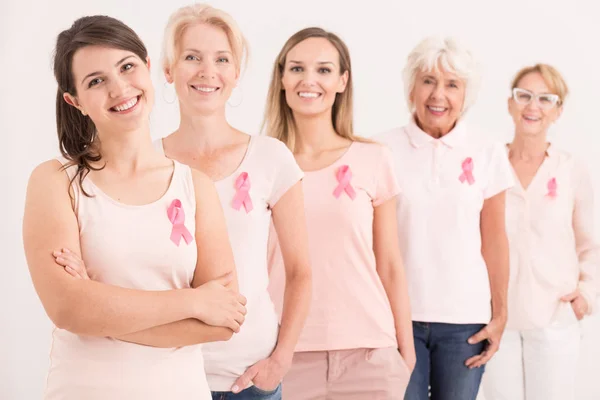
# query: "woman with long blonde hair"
357 341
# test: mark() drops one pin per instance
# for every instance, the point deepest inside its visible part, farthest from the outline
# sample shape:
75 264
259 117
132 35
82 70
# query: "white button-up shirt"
551 238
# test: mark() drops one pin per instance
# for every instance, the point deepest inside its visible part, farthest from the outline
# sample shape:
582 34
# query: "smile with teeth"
530 118
205 89
309 95
437 109
127 105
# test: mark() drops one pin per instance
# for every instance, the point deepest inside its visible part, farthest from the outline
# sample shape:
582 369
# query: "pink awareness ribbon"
242 195
344 175
467 174
177 217
552 186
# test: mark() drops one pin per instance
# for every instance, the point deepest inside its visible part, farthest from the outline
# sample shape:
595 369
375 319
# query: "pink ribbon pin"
177 217
552 186
467 174
242 195
344 175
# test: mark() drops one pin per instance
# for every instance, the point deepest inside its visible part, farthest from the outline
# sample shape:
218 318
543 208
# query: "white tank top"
130 246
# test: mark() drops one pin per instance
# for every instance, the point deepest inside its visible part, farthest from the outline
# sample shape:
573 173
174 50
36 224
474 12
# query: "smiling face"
311 77
204 72
113 87
438 97
533 118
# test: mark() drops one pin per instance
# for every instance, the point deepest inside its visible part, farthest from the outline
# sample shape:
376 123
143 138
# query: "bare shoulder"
50 177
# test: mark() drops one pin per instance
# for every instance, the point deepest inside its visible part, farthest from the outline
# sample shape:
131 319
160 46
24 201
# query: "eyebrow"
198 51
453 80
537 93
318 62
99 72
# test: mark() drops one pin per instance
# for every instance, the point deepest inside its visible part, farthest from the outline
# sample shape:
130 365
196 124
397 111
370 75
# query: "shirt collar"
417 137
551 151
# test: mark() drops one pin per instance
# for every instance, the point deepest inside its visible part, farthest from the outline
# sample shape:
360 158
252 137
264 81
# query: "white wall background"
503 35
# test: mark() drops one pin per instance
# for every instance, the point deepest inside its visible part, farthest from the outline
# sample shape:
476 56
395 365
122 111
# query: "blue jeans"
252 393
442 350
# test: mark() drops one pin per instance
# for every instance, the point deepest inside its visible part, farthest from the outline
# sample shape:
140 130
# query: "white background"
504 36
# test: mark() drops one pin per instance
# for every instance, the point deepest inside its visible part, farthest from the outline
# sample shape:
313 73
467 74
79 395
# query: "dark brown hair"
77 132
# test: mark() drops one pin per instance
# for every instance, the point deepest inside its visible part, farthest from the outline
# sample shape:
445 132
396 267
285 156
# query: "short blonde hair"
448 53
551 76
194 14
279 119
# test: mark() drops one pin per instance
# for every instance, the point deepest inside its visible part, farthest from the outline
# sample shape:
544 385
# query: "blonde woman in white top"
258 181
553 254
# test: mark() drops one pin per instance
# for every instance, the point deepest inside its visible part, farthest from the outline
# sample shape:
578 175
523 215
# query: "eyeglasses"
544 100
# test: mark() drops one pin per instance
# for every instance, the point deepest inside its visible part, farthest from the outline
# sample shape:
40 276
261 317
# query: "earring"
169 95
241 97
83 112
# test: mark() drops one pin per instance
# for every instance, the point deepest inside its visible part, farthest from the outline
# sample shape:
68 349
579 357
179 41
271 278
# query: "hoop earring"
168 94
241 96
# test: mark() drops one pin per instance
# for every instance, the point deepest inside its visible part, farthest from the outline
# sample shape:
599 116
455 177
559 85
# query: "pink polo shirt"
444 184
553 250
349 308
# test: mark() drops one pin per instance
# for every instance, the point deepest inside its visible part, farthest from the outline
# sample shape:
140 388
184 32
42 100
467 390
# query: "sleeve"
499 173
588 250
386 182
286 172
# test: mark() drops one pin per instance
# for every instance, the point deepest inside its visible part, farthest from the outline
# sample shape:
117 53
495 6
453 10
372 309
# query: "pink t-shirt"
267 171
349 307
444 185
131 247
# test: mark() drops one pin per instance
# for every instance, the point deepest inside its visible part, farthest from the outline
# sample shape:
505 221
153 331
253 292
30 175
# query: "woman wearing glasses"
553 255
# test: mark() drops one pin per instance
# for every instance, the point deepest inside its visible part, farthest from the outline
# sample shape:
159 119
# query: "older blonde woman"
451 223
553 254
257 180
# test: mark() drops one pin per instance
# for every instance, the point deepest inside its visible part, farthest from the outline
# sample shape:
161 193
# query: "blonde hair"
279 118
194 14
551 76
448 53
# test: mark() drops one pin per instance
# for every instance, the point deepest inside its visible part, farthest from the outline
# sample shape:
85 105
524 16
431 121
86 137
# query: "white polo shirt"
443 184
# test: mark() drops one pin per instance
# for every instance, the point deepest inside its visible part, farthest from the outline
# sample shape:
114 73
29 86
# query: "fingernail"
470 341
235 389
60 259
